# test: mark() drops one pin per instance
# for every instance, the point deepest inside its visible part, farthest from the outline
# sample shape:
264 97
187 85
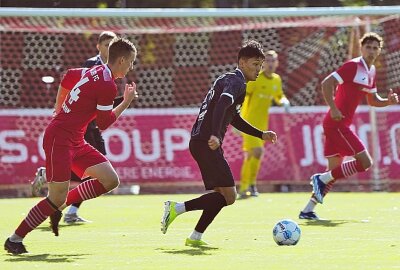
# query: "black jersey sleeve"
88 63
93 61
244 126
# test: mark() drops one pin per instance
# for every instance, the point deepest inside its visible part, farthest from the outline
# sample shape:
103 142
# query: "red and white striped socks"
347 169
85 191
39 213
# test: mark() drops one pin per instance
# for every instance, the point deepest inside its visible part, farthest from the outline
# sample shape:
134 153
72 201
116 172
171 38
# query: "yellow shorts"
250 142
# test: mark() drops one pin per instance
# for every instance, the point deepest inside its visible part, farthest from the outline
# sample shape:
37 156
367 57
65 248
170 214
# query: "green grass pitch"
362 231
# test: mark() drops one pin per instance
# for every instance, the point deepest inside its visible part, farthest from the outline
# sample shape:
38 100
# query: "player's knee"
58 200
368 164
365 164
111 182
114 182
230 198
57 196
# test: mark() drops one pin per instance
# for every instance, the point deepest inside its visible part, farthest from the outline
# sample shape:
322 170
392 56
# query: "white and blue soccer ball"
286 232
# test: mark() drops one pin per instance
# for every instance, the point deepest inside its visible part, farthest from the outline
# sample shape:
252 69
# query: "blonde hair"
272 53
106 35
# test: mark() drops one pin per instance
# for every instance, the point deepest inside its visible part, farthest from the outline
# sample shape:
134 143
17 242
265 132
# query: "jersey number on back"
74 95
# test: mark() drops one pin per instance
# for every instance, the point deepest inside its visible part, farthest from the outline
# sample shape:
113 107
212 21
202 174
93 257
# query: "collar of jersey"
365 64
241 72
109 71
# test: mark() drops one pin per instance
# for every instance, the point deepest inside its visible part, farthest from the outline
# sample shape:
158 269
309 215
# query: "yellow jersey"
259 96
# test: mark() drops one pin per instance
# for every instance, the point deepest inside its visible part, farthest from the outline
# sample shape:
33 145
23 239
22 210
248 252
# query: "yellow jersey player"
259 97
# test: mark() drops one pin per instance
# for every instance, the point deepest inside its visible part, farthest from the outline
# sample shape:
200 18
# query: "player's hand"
130 93
393 98
336 114
286 104
213 142
270 136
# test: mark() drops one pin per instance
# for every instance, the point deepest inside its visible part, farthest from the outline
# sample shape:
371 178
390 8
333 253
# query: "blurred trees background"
192 3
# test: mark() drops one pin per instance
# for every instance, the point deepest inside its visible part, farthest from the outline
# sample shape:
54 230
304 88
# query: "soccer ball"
286 232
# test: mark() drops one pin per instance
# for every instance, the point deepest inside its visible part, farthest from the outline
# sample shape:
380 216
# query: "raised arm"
106 115
375 100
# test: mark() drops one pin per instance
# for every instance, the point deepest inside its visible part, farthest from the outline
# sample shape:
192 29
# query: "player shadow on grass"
190 251
49 258
328 223
46 228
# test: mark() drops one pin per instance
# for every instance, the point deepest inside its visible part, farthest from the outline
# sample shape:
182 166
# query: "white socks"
180 208
326 177
196 235
72 210
310 206
16 239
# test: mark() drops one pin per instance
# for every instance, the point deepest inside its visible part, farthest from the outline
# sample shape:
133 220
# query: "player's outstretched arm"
377 101
244 126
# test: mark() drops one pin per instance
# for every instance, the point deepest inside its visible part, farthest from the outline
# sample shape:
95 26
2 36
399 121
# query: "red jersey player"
356 79
91 97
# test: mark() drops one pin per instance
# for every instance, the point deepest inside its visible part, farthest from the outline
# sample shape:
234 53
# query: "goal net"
180 54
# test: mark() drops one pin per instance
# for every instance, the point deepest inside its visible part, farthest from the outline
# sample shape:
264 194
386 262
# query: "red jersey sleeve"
105 115
72 77
346 72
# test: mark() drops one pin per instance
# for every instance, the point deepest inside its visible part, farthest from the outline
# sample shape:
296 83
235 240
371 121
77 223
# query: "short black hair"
250 49
120 47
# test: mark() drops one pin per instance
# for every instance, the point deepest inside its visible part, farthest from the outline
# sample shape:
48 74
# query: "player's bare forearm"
377 101
61 95
120 108
130 95
328 88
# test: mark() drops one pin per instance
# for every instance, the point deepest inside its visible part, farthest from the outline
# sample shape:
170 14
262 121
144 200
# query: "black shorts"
94 138
213 166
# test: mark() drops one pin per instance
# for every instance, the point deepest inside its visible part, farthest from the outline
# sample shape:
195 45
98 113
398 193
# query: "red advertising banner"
151 145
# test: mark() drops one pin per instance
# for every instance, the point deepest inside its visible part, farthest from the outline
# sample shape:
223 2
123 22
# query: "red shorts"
341 141
64 155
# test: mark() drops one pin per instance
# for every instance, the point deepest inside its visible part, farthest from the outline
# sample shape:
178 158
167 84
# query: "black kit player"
220 108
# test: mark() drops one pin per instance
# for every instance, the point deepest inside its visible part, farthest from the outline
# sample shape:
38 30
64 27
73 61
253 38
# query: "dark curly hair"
250 49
